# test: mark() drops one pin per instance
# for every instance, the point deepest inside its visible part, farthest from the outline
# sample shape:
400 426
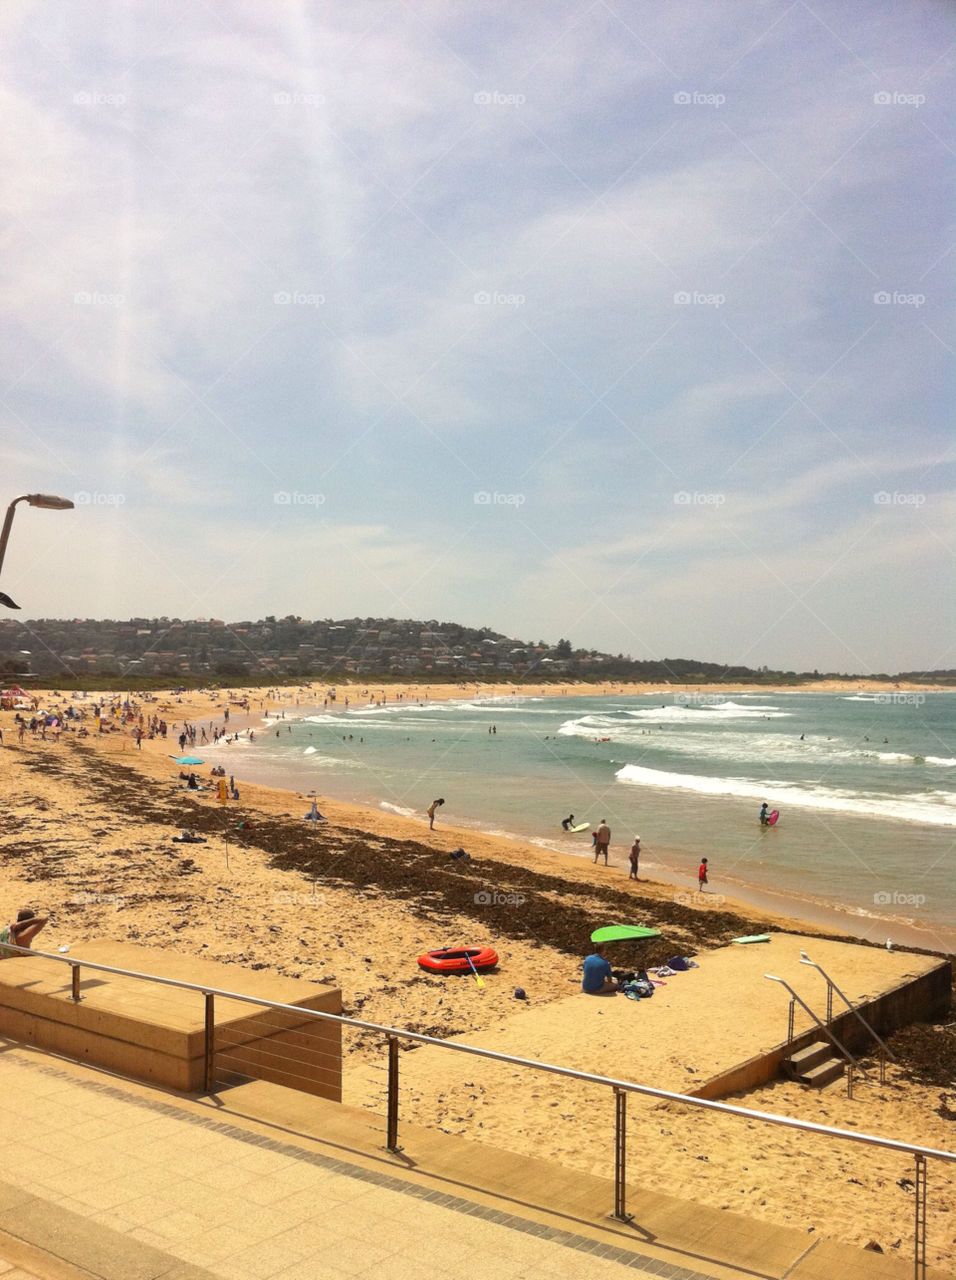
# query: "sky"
623 322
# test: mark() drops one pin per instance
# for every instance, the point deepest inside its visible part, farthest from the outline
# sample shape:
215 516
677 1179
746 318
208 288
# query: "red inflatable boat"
455 960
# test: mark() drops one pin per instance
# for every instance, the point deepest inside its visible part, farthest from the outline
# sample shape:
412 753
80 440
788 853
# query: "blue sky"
621 322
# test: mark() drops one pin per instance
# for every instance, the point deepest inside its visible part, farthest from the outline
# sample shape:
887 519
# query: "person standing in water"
568 822
764 815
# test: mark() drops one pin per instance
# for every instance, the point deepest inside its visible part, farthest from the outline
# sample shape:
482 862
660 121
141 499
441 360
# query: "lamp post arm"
7 524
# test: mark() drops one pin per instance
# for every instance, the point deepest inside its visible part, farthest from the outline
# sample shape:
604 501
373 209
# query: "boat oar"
478 979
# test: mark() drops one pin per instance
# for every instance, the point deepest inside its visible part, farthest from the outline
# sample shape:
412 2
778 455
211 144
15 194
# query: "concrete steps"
816 1065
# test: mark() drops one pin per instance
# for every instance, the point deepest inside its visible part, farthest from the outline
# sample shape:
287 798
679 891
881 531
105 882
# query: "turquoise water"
864 783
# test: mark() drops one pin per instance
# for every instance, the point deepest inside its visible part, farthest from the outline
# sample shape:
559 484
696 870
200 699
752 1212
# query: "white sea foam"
936 808
396 808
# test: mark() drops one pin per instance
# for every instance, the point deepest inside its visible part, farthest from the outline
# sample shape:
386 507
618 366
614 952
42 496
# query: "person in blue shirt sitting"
598 979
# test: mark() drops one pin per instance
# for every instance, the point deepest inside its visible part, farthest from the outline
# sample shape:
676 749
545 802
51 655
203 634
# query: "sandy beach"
87 838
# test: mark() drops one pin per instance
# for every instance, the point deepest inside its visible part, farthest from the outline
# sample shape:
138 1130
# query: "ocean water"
865 784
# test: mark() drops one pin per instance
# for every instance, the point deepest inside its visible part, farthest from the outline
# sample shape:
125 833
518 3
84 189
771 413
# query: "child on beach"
702 875
634 857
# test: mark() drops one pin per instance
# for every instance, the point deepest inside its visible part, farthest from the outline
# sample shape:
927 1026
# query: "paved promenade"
111 1179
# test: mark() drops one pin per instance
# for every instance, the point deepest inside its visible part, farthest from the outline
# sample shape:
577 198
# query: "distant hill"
155 651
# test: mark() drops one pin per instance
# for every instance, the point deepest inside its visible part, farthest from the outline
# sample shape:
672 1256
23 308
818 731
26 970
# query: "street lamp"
50 502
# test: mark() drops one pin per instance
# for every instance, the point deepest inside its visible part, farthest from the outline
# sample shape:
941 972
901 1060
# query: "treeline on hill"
153 653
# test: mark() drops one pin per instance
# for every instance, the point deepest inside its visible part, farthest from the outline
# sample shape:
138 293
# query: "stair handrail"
825 1029
805 959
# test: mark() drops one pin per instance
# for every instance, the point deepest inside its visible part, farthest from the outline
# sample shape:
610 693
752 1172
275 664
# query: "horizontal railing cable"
664 1095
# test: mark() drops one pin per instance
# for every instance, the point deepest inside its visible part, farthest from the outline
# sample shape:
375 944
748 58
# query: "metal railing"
619 1088
885 1051
823 1027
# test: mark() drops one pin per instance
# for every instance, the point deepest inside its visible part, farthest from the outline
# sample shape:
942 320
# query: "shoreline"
666 860
780 907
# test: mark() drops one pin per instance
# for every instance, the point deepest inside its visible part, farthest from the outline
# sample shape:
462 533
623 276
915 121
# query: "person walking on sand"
602 839
634 857
431 813
702 875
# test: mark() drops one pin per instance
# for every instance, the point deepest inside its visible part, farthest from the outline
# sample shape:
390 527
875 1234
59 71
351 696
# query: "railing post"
790 1022
849 1079
620 1156
75 977
919 1226
391 1138
882 1066
829 1001
209 1074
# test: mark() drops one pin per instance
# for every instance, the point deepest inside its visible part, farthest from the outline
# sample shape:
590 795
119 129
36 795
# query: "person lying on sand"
21 931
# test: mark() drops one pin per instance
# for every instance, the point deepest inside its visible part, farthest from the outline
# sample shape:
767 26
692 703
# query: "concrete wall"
924 999
156 1033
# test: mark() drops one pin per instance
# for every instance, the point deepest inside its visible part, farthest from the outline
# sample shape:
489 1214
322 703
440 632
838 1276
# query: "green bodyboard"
756 937
620 932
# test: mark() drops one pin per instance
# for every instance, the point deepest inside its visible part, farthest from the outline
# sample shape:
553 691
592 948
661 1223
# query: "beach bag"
643 984
678 964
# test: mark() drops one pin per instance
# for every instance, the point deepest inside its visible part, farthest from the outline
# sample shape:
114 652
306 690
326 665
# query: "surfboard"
620 932
582 826
756 937
772 818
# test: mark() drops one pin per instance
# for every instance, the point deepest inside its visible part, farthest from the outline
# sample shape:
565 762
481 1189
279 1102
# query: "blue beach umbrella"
187 759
